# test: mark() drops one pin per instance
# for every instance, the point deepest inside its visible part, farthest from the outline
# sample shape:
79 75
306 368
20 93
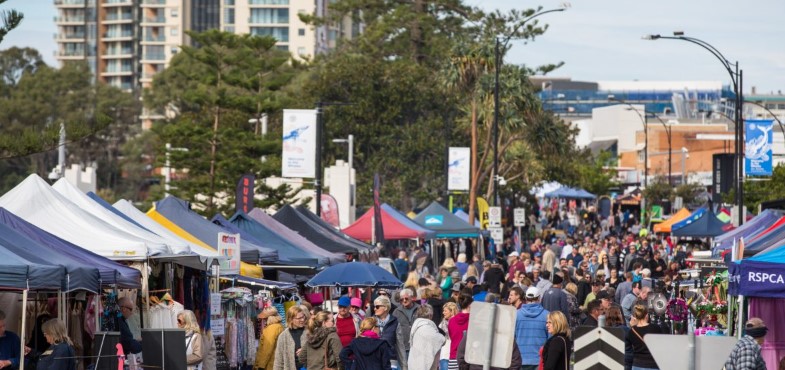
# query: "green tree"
592 174
658 191
762 190
9 19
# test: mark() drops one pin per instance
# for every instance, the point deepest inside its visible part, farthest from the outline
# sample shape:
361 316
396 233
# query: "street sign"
675 351
497 234
599 348
496 344
495 216
519 217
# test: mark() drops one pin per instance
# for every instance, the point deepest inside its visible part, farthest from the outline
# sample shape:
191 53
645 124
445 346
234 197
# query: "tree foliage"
9 19
758 191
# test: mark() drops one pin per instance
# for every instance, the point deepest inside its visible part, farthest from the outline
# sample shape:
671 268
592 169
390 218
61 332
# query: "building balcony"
118 36
153 2
117 54
110 3
154 20
70 3
153 57
154 38
70 54
69 20
70 36
116 18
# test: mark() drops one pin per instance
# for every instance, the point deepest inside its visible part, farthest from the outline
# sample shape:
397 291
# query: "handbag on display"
314 298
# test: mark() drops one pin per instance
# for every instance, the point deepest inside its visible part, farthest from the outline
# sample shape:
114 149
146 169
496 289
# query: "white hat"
532 292
514 254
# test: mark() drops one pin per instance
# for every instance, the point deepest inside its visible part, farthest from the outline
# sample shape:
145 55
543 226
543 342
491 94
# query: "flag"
516 239
244 193
482 210
330 210
377 211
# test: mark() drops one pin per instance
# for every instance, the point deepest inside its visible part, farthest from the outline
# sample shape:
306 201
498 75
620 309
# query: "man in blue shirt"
9 347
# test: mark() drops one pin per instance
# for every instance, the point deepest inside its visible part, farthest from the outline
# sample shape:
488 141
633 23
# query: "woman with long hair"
450 309
574 308
457 325
194 353
557 350
290 341
368 351
323 346
641 356
60 355
615 319
265 353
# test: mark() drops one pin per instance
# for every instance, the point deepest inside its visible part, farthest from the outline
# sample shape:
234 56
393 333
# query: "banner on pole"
458 168
377 210
758 137
298 158
229 247
244 193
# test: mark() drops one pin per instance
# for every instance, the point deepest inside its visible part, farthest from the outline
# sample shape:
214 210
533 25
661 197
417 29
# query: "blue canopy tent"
18 273
79 275
749 230
570 193
305 255
179 212
446 225
702 223
465 217
111 273
761 275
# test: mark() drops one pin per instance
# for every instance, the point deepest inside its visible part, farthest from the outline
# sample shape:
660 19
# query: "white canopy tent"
84 202
36 202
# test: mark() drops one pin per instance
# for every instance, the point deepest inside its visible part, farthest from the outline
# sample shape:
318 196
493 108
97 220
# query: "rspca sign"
758 279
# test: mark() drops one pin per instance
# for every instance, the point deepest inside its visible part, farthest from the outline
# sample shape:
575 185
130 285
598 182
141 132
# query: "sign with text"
299 143
215 304
459 163
229 247
519 217
495 216
217 327
497 234
758 137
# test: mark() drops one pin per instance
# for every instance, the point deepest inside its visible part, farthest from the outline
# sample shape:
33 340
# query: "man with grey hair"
646 280
406 316
425 340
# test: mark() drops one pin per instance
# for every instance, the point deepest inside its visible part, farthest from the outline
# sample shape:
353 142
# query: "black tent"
296 221
705 226
446 224
329 228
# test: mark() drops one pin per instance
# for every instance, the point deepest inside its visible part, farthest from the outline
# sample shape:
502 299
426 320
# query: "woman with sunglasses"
193 339
289 345
388 324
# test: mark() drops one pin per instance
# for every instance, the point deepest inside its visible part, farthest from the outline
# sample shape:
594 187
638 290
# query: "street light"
498 64
668 129
317 183
770 112
736 76
350 141
645 122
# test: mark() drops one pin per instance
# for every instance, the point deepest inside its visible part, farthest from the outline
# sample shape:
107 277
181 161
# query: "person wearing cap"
356 308
471 283
746 354
346 325
530 329
515 265
555 299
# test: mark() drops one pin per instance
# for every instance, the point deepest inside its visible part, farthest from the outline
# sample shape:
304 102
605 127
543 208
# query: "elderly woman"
388 324
265 358
290 341
557 349
425 340
194 354
60 355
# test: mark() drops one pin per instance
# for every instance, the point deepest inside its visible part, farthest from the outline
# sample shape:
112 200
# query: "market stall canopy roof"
330 228
294 220
396 226
444 223
570 193
665 226
700 224
112 273
465 217
36 202
750 228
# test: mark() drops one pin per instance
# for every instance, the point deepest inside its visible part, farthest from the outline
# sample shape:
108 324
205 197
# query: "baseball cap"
344 301
603 294
357 302
471 279
532 292
514 254
456 287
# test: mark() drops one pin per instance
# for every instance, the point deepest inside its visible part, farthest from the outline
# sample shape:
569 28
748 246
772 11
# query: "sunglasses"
180 321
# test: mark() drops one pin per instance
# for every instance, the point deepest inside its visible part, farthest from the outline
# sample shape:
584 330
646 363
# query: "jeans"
443 364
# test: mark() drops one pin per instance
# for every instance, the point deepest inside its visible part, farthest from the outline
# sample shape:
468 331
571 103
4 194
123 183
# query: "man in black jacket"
130 345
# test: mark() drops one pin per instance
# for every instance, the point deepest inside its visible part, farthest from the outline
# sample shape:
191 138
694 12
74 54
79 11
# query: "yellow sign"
482 209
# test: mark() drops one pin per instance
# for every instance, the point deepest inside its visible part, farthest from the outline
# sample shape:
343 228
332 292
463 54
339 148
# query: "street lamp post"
670 145
736 76
645 121
769 111
502 44
317 183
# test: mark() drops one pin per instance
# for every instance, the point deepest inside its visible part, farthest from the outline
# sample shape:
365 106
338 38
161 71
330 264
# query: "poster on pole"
758 137
458 165
299 143
229 247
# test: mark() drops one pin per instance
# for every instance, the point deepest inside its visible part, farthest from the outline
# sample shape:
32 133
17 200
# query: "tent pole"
145 292
22 329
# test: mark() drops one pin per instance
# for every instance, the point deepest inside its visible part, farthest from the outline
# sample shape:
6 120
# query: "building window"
301 32
174 13
229 16
174 50
280 33
268 2
229 29
229 2
174 31
269 16
301 51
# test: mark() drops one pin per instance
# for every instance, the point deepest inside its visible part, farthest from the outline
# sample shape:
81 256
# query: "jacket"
210 355
456 327
555 299
556 353
368 354
265 353
52 359
530 332
193 340
390 334
284 352
314 347
426 343
515 363
405 320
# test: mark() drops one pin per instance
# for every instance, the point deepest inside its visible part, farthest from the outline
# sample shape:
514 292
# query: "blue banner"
734 275
760 279
758 137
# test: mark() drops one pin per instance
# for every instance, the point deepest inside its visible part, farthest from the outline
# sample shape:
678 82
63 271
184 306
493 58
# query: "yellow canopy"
665 226
246 269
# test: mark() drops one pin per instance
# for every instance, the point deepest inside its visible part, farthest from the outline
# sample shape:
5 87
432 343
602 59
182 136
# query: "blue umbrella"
354 274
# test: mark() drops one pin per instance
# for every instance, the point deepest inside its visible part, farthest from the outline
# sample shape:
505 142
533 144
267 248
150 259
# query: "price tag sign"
519 217
217 327
497 234
215 304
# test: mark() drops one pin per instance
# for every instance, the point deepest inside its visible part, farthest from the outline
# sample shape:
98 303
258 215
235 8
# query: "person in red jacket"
346 324
457 325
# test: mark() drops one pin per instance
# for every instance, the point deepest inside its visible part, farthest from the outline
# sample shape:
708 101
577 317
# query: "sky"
598 40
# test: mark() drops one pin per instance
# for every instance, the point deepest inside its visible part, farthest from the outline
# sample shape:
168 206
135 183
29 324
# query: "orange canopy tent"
665 226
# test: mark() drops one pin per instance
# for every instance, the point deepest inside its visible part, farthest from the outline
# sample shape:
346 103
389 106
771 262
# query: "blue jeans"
443 364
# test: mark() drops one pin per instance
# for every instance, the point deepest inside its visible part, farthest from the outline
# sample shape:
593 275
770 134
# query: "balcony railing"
154 56
151 38
69 19
158 19
70 2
